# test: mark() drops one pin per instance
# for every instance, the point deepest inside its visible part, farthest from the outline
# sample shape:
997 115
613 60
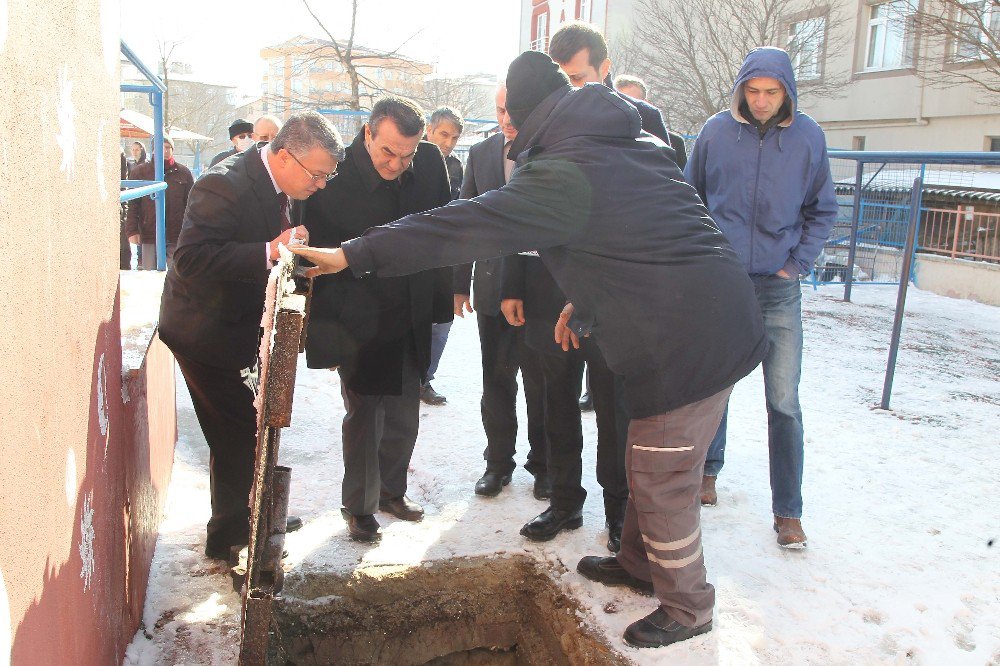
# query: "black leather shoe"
615 536
403 508
586 402
491 484
607 571
292 524
431 397
362 528
657 630
543 486
546 525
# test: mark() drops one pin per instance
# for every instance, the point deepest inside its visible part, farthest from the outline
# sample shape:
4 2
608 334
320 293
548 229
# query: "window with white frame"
585 10
805 45
541 41
979 29
890 35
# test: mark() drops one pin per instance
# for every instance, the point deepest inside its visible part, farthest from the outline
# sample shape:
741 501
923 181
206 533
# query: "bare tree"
690 52
963 39
471 95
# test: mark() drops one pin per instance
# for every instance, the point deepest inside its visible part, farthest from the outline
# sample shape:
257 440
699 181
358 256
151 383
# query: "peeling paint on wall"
5 629
71 478
102 185
67 127
87 542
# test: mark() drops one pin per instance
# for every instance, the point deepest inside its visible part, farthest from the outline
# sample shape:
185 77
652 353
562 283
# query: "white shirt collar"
265 154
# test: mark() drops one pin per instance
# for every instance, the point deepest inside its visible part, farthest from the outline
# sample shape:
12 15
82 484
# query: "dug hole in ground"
903 564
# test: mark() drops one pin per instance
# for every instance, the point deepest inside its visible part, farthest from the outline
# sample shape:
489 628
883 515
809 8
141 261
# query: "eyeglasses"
323 176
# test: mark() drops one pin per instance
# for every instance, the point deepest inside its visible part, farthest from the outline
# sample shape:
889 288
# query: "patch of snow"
102 402
140 311
900 505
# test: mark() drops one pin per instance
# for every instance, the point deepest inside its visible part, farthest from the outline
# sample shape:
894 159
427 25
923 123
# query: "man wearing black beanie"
647 271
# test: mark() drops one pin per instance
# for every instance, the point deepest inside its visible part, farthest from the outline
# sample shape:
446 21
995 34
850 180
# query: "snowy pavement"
903 563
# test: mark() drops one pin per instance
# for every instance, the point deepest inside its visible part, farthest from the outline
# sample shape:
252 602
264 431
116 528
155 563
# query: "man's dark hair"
626 80
405 113
447 114
574 36
305 131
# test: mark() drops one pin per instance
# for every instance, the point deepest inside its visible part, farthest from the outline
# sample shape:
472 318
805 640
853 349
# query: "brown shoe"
403 508
708 495
790 534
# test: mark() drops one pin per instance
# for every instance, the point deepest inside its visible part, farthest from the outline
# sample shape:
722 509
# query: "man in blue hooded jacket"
762 170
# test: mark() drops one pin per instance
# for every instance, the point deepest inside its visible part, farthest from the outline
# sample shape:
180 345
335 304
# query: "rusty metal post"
852 251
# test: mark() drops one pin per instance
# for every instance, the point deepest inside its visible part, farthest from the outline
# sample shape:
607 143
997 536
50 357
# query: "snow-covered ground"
903 564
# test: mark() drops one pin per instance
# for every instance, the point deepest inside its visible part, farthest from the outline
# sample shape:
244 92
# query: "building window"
993 144
858 143
977 30
541 40
890 35
805 45
584 10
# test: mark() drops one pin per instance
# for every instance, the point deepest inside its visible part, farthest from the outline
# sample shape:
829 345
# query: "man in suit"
237 216
443 130
378 331
503 347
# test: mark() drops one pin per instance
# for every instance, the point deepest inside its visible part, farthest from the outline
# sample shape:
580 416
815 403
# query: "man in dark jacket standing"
377 330
647 271
503 347
213 300
140 221
761 168
241 136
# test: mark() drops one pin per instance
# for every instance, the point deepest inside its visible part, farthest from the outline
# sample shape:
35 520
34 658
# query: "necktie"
508 164
286 222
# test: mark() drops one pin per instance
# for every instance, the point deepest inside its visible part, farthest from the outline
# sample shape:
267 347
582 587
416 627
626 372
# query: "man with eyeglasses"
237 216
376 331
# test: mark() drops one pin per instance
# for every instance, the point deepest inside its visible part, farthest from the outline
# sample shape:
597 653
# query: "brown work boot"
708 495
790 534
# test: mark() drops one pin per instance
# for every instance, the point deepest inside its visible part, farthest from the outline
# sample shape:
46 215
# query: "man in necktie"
210 313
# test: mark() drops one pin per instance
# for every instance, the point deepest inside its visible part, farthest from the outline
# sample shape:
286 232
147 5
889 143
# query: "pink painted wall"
81 471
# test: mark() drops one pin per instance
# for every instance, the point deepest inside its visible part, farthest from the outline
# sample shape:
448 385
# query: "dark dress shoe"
491 484
607 571
431 397
546 525
657 629
362 528
615 536
403 508
292 524
586 402
543 486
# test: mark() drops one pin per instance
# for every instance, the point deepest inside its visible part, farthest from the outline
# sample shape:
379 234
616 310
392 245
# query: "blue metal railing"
152 188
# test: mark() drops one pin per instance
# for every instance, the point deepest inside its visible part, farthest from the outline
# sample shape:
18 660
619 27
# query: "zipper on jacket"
753 206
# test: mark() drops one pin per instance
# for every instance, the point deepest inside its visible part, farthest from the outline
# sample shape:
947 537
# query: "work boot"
708 495
608 571
657 629
790 534
431 397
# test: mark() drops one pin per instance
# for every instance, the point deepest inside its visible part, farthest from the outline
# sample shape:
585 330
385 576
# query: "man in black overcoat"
213 299
377 331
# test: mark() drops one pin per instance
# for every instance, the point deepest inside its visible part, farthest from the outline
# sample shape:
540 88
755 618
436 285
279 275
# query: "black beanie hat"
238 127
531 78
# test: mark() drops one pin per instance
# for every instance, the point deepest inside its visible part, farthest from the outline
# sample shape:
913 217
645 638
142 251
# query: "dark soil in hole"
495 611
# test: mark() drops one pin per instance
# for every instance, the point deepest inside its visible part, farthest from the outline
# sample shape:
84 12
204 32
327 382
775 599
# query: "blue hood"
770 62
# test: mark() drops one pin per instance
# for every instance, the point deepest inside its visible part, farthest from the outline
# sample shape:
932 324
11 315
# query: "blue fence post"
852 251
897 324
156 98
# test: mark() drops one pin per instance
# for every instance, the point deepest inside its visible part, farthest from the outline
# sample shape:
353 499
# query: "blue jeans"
439 336
781 304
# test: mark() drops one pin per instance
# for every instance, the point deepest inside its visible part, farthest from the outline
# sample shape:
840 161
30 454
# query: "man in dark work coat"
503 348
213 299
378 331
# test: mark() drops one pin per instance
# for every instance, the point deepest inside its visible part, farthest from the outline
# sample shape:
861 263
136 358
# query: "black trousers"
223 401
504 352
563 373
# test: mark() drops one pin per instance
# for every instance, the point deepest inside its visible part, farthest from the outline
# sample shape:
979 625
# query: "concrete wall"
75 524
959 278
